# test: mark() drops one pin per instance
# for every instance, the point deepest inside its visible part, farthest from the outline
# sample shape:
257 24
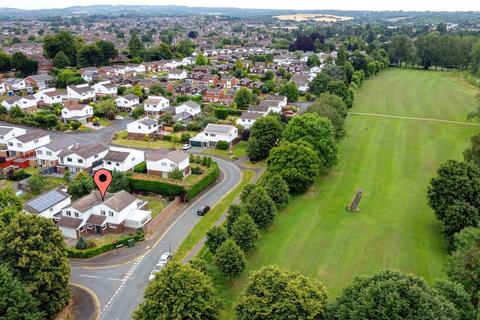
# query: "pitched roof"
117 156
116 201
250 115
32 135
220 128
80 89
191 104
69 222
64 143
84 151
147 121
45 200
96 219
176 156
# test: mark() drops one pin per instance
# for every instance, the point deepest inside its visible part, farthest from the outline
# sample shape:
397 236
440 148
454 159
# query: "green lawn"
238 150
156 204
392 160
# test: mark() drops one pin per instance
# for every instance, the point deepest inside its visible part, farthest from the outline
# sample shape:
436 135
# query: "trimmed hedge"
92 252
161 187
209 178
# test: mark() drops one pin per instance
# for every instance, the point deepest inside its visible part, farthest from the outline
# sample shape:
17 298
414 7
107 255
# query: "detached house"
187 110
119 212
7 133
127 103
26 103
155 105
73 110
228 81
81 92
122 159
81 158
248 118
24 146
145 126
177 75
214 95
48 204
39 81
213 133
105 88
49 96
163 162
47 155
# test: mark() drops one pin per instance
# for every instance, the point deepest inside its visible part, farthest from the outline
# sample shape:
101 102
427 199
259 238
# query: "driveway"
120 288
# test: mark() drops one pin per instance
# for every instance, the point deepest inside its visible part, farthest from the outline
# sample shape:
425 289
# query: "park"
404 123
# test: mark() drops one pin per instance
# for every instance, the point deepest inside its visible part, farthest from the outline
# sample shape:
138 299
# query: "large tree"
90 56
15 301
10 205
119 182
472 153
62 41
80 185
260 207
276 188
243 98
316 130
332 107
456 294
135 45
457 217
297 163
179 292
5 62
276 294
390 295
230 259
108 50
464 265
245 232
401 49
215 237
233 213
34 249
61 60
268 132
319 84
24 65
289 90
455 182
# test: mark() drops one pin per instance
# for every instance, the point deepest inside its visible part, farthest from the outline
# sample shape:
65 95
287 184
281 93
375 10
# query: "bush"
19 175
95 251
81 244
196 170
221 113
141 167
176 174
177 126
167 137
209 178
222 145
161 187
75 125
185 138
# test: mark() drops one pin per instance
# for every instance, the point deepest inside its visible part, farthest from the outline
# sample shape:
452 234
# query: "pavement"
119 287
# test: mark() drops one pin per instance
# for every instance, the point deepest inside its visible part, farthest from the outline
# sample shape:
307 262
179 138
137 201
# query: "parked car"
118 118
203 210
162 262
186 146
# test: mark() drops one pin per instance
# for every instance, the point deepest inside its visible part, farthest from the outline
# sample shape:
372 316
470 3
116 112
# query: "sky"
406 5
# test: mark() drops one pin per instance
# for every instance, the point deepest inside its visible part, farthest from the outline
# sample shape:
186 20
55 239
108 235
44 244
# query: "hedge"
161 187
92 252
209 178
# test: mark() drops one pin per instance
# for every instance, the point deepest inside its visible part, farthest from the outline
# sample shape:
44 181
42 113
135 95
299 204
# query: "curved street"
119 288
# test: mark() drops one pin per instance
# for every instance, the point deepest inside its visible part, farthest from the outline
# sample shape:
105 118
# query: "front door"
98 230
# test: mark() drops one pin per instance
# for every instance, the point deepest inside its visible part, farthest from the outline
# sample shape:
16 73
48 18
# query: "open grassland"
392 160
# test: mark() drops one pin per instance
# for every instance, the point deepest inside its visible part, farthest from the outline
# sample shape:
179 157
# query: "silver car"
162 262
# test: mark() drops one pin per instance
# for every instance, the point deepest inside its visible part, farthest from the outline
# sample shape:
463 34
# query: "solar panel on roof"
47 200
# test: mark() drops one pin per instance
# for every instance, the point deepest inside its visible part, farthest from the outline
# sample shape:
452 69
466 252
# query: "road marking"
114 279
94 296
414 118
88 276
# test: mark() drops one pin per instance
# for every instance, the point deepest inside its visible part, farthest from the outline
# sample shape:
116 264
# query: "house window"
49 153
35 141
81 228
102 212
39 152
76 214
109 162
110 213
117 164
112 225
69 213
10 144
80 160
69 159
19 145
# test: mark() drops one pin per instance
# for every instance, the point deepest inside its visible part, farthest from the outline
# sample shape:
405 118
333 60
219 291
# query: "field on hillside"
319 17
392 161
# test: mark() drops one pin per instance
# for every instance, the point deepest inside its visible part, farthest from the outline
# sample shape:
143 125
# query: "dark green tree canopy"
276 294
230 259
390 295
276 188
245 232
179 292
268 132
457 217
260 207
456 294
215 237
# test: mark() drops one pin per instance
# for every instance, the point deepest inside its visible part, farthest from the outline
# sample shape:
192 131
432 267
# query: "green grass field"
392 160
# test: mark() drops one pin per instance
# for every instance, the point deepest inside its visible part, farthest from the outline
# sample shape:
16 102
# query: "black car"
203 210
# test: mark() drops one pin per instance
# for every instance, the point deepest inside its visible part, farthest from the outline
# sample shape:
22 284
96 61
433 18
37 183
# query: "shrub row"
157 186
211 176
92 252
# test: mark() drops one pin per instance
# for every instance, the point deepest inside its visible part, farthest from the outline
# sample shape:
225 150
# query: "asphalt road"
119 289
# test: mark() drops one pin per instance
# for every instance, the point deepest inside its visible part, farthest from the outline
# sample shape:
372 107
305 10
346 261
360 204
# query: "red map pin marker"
103 179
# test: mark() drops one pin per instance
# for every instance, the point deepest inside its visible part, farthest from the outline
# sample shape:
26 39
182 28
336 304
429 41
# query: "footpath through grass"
392 161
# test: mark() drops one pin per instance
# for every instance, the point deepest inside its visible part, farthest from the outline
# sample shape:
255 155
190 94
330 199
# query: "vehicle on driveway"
203 210
186 146
162 262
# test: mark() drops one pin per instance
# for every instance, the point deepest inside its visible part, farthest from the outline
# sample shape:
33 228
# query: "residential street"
119 288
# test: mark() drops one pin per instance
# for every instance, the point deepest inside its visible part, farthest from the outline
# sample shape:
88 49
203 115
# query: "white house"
154 105
48 204
3 87
80 92
49 96
177 75
163 161
25 103
24 146
282 100
214 133
139 128
91 215
81 157
47 155
73 110
127 103
122 159
8 133
247 119
15 84
188 109
105 88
